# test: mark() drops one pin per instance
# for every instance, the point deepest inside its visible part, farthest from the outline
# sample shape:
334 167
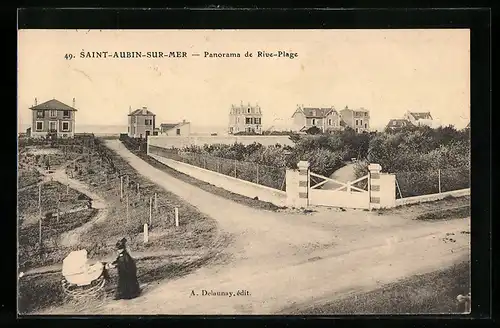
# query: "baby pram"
80 278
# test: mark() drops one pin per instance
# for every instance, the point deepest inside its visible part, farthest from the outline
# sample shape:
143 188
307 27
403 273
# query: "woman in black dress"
128 286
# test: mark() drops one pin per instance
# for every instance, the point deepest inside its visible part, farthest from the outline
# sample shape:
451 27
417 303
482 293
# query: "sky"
385 71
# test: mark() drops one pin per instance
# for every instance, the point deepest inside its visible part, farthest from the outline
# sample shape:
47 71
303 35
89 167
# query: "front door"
53 126
147 133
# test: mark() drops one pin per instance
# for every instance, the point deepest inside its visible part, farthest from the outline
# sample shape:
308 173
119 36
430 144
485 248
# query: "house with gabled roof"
398 124
324 118
419 118
245 119
53 118
141 123
176 129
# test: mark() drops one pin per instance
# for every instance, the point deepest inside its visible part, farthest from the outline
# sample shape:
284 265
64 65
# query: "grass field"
38 292
29 252
51 192
102 170
430 293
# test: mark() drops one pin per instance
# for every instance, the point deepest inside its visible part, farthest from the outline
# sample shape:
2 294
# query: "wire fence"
264 175
417 183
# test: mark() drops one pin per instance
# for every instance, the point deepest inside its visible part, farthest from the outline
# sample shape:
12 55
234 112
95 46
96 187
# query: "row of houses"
142 123
54 118
248 119
58 119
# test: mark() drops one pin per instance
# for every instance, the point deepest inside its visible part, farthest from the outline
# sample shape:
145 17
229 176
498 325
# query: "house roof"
421 115
316 111
361 109
398 123
169 126
53 104
138 112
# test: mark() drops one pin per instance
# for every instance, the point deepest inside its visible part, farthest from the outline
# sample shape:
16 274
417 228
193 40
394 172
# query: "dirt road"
344 174
282 259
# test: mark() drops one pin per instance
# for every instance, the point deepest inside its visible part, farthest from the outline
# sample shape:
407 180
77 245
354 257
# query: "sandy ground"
283 259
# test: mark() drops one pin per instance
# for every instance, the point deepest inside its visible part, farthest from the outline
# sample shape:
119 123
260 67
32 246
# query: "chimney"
130 109
74 103
183 121
144 110
36 101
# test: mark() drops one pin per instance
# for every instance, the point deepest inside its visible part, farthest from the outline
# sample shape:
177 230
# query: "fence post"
439 180
40 198
40 231
146 233
58 200
127 208
150 210
176 214
156 204
121 187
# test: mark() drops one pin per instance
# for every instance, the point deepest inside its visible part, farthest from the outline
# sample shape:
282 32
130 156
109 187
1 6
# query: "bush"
421 158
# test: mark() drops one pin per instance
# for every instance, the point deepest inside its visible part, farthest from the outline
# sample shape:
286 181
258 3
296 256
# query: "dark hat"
121 243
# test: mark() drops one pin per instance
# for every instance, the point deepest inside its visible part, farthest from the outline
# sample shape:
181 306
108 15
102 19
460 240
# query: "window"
329 121
133 119
313 121
66 113
148 122
248 110
257 120
128 129
53 113
39 113
356 122
366 125
248 120
39 126
65 126
53 126
178 132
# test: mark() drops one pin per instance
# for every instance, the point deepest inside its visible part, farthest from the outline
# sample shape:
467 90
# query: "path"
344 174
71 238
54 268
285 259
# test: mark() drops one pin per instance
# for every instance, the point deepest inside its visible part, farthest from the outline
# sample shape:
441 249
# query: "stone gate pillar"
303 183
297 186
382 188
374 186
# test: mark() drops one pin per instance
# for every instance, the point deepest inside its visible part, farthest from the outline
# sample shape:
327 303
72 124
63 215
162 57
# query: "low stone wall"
432 197
235 185
181 142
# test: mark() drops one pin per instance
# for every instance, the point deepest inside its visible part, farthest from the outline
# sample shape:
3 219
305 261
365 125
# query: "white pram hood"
77 271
